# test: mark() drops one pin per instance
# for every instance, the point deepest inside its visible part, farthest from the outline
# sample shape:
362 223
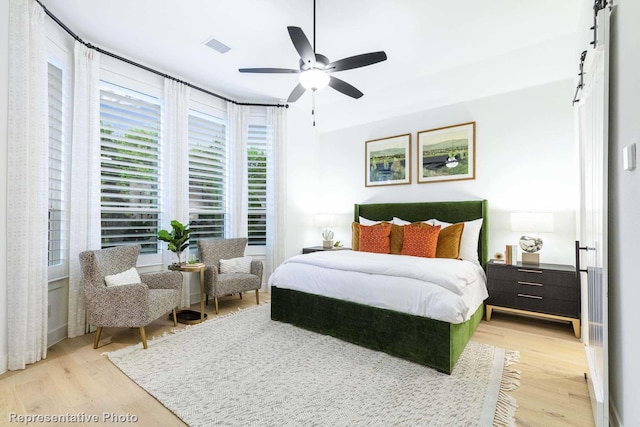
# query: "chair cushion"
162 301
128 277
236 265
231 283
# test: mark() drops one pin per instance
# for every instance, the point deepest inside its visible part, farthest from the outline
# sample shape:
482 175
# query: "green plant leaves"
178 238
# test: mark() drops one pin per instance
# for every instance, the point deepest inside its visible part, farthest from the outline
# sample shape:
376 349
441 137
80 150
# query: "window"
57 183
130 168
257 185
207 177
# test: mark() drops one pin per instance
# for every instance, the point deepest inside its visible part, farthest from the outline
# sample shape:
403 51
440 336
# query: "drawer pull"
524 270
529 283
529 296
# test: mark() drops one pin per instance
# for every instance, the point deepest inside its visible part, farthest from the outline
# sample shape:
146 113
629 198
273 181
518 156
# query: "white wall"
4 100
624 212
301 182
526 161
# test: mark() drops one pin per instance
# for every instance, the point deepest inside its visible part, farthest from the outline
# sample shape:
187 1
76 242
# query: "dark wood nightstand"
547 290
321 249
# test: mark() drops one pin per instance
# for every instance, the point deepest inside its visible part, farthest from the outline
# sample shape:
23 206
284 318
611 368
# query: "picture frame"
388 161
447 153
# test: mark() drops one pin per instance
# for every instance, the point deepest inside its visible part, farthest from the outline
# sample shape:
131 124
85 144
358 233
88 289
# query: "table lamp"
531 223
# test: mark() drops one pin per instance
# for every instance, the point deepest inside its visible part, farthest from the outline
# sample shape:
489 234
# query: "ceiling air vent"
217 45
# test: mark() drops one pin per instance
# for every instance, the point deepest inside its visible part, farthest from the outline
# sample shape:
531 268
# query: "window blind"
57 215
257 185
207 177
130 168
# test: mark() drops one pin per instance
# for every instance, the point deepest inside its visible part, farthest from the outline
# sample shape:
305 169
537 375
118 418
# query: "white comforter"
443 289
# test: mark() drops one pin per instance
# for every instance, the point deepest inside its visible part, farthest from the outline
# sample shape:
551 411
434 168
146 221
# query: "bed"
415 337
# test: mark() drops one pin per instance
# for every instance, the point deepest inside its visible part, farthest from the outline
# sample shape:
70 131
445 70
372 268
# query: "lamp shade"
537 222
326 220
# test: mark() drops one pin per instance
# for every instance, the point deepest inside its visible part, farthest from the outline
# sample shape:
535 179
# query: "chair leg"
240 295
207 299
144 337
175 317
257 297
96 339
215 301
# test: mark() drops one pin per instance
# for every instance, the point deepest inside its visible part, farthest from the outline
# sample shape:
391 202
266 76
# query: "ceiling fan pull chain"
313 106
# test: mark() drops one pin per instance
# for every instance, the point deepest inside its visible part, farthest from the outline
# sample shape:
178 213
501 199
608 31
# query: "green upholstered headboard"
444 211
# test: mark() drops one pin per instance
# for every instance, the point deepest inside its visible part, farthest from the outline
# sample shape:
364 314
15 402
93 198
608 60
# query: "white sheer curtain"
27 192
175 162
84 204
276 188
237 119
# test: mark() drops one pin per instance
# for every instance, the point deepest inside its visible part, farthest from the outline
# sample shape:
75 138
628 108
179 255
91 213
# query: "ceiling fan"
315 69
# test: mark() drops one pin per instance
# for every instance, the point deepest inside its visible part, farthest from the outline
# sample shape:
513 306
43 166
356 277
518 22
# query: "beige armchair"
129 306
217 284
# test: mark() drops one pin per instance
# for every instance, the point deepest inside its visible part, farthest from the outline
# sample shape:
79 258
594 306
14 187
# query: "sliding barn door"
592 115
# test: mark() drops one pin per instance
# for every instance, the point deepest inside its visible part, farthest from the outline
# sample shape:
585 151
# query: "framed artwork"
388 161
447 153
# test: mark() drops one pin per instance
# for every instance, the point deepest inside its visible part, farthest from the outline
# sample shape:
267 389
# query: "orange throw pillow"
420 240
374 238
449 241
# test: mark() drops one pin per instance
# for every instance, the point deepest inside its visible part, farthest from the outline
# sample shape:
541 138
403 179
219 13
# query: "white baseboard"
614 418
4 363
56 335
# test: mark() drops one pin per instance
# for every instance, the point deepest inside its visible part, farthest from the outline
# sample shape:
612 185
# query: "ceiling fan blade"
296 93
344 87
302 45
356 61
269 70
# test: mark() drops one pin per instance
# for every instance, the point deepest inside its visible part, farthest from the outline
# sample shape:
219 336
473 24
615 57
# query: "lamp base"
531 259
327 244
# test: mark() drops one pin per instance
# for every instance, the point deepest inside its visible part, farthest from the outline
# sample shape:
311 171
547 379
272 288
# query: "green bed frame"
419 339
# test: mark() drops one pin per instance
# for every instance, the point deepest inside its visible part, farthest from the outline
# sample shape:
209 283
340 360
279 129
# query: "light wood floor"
76 379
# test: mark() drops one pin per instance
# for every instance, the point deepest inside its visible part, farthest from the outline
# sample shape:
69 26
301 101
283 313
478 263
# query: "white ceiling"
439 52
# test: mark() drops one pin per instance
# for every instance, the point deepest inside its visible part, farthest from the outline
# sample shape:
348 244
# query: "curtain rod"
144 67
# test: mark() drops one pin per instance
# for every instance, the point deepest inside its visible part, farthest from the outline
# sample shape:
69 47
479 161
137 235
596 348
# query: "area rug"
247 370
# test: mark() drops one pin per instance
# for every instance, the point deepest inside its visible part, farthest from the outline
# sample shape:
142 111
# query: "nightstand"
321 249
547 290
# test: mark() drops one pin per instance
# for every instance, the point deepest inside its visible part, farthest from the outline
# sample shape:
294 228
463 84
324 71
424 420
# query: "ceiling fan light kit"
314 79
315 69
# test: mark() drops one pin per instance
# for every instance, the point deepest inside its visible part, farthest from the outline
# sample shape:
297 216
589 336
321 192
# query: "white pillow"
236 265
128 277
399 221
364 221
469 240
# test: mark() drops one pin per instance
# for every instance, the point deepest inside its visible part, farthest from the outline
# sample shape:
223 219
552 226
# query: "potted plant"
177 239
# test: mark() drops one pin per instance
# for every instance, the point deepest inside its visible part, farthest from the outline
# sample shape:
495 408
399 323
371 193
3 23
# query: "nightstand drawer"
535 288
533 275
535 303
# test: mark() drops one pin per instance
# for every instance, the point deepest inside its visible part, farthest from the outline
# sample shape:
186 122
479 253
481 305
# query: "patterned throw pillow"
375 238
236 265
128 277
449 241
420 240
